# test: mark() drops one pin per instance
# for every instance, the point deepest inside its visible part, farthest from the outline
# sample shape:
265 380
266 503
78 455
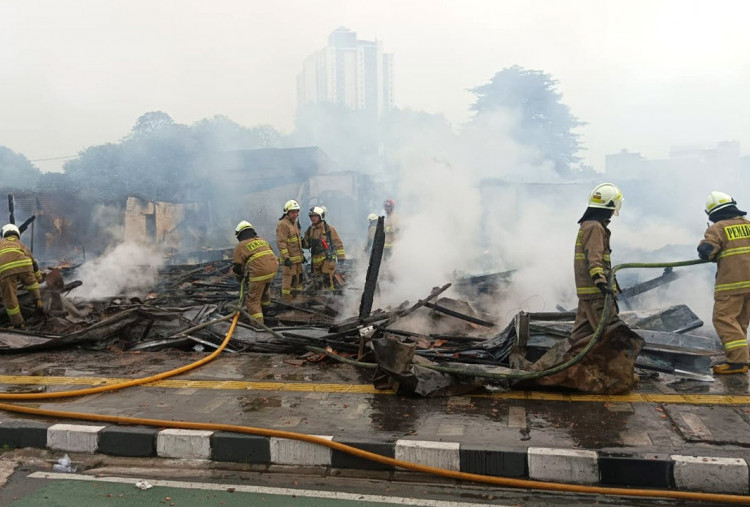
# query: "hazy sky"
645 75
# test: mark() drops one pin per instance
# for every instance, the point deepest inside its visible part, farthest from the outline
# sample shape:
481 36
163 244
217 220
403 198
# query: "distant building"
348 72
722 163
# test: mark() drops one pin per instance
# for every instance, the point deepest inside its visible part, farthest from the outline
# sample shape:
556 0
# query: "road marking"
263 490
696 426
450 430
516 417
689 399
635 438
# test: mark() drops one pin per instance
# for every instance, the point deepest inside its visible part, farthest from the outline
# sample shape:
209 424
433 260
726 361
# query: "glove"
39 307
288 262
603 288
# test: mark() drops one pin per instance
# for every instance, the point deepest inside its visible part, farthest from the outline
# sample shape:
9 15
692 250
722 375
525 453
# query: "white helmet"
291 205
714 202
242 226
317 210
9 229
371 217
606 196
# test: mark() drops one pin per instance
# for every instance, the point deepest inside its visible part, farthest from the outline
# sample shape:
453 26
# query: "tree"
544 122
16 171
151 122
222 134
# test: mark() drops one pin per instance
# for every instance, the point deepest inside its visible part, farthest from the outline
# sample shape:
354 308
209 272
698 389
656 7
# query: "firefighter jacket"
324 243
255 257
288 240
15 257
591 262
730 249
392 228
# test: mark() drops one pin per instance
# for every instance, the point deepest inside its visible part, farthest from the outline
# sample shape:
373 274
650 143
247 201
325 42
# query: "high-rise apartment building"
349 72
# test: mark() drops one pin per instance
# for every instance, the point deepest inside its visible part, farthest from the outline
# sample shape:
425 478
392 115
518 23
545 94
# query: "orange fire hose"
465 476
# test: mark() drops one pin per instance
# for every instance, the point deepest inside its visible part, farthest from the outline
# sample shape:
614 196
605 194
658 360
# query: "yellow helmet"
242 226
291 205
371 217
606 196
718 200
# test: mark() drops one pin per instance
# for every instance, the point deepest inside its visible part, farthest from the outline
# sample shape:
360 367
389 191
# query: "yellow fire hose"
465 476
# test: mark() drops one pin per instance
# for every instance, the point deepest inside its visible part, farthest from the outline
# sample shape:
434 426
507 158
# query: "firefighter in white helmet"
254 259
727 242
591 263
326 248
372 225
17 265
289 242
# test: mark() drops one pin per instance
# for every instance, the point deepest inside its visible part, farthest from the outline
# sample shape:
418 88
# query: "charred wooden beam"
458 315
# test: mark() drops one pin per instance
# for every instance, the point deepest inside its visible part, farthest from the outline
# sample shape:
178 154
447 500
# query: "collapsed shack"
459 349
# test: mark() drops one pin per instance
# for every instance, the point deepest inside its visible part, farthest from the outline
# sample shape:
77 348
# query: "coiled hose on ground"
452 474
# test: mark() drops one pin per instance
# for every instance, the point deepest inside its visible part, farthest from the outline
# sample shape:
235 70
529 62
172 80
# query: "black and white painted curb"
698 473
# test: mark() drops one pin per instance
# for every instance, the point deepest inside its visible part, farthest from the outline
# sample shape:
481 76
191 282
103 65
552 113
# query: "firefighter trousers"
731 317
291 281
8 290
258 297
323 274
588 315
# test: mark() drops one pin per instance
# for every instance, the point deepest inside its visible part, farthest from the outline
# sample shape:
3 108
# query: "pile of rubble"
190 307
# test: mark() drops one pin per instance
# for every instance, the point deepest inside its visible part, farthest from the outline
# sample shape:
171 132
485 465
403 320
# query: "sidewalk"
681 435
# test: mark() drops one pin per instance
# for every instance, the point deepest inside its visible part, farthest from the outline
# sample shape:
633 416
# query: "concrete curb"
695 473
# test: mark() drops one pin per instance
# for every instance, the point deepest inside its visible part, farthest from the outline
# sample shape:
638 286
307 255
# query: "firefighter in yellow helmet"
591 263
17 265
254 259
727 243
326 248
289 242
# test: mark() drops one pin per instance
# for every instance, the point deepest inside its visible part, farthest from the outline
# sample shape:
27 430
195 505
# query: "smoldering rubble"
434 346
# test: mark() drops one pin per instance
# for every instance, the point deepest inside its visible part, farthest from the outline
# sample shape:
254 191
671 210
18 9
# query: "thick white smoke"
128 269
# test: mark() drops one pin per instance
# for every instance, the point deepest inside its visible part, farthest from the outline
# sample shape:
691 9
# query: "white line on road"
311 493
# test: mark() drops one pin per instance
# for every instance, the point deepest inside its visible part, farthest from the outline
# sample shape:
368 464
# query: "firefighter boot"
730 368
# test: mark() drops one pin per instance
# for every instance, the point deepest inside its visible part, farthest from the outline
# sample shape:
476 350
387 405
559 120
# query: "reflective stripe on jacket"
288 240
730 242
591 261
15 257
314 237
258 259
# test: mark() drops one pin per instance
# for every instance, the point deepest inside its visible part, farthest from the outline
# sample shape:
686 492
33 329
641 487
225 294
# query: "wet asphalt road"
665 415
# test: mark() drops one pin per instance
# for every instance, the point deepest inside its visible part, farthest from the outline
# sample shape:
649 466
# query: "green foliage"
543 121
161 159
16 171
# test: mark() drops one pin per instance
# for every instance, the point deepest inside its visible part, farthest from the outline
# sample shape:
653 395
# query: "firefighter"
727 243
289 242
372 220
592 264
392 226
254 259
326 248
17 265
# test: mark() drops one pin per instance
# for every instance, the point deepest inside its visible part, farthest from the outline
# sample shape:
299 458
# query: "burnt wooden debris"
190 306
